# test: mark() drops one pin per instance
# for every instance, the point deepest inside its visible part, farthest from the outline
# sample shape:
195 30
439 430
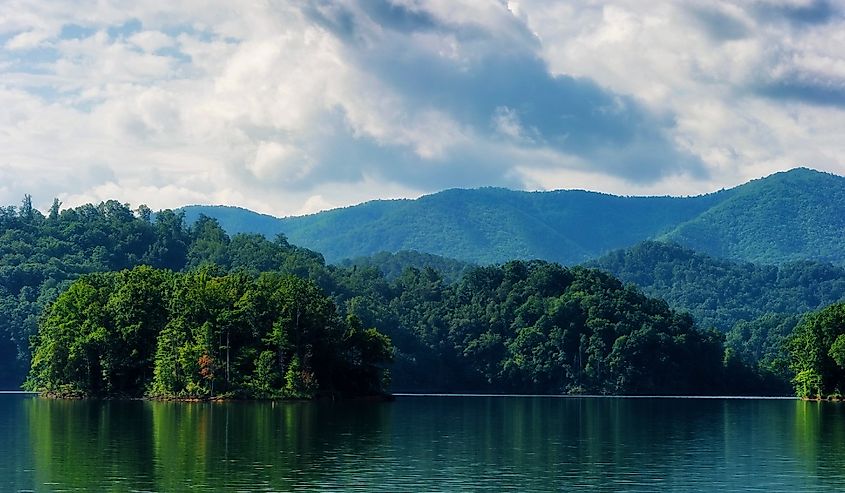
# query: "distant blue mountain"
793 215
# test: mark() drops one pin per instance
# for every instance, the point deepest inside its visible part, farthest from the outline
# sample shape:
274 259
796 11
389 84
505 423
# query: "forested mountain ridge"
718 292
486 225
793 215
788 216
430 319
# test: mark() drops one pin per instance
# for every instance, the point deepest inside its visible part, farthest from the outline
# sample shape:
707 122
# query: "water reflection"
423 443
820 432
152 446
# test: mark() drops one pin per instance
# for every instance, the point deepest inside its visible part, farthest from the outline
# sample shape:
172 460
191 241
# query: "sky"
291 107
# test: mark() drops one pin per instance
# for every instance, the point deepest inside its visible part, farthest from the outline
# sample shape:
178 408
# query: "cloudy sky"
293 107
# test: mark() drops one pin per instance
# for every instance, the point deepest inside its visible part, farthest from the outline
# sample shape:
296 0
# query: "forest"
757 306
720 293
157 333
130 302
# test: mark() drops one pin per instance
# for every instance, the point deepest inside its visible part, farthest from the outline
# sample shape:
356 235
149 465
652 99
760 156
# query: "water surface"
423 444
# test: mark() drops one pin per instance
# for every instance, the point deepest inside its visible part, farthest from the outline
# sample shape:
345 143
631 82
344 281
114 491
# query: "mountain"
486 225
719 293
793 215
236 219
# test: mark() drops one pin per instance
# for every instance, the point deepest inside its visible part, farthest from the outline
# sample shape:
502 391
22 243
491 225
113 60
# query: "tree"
26 210
817 350
54 210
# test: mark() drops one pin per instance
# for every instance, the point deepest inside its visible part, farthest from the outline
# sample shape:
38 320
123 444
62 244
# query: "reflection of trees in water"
436 443
275 445
17 461
820 438
659 444
548 443
91 445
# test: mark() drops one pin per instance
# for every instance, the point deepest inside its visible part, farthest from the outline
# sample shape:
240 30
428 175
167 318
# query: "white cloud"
289 107
152 41
663 55
27 39
506 122
279 162
536 178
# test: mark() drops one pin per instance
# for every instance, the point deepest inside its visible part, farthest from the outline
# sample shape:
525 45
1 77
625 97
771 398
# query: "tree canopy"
817 353
153 332
719 293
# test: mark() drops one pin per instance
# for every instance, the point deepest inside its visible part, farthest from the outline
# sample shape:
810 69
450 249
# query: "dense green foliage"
540 327
392 265
152 332
40 255
756 305
720 293
817 353
522 327
762 342
790 216
759 345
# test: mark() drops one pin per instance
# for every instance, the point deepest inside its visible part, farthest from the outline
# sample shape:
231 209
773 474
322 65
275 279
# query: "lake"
423 444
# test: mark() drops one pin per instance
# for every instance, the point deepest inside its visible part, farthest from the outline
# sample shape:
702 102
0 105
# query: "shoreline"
199 399
393 396
595 396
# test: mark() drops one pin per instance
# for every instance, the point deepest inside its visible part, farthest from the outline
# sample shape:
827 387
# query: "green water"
423 444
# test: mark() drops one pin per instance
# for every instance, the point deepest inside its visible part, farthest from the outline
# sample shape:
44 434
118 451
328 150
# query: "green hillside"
794 215
788 216
236 219
487 225
719 293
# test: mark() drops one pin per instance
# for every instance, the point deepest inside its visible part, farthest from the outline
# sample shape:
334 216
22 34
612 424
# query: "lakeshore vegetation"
152 332
104 300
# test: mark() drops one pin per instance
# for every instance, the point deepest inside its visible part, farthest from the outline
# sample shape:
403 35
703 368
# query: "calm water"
423 444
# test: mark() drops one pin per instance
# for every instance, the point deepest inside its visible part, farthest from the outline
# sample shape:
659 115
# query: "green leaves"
837 350
817 353
202 334
719 292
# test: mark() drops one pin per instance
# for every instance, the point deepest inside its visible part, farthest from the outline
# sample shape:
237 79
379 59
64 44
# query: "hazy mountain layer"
794 215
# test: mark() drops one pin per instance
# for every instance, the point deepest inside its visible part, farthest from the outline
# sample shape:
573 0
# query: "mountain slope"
718 292
484 225
794 215
236 219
